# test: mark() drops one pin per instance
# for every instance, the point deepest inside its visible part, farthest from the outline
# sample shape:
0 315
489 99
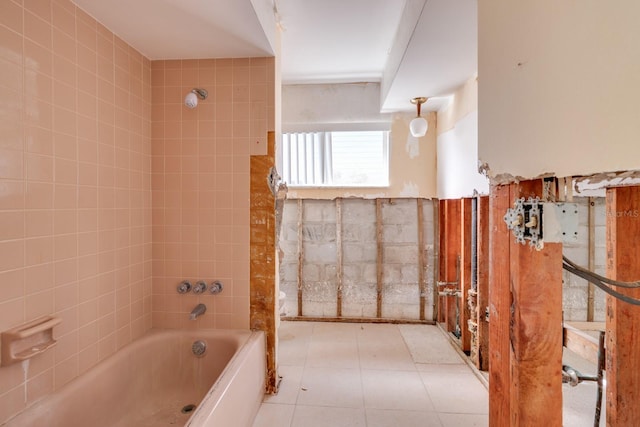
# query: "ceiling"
412 47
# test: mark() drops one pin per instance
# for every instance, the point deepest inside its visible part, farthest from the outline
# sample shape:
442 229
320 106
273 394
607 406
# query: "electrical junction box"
560 222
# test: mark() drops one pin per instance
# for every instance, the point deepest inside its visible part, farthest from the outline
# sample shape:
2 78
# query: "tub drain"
199 347
187 409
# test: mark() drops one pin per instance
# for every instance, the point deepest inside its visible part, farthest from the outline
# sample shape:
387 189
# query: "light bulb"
418 127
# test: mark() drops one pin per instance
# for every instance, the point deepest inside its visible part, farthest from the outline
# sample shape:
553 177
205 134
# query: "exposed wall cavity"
575 297
330 252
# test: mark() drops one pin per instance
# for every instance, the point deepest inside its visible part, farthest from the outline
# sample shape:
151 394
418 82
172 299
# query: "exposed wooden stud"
499 309
568 181
592 258
421 257
262 260
453 267
442 258
465 272
622 319
339 257
562 190
300 254
535 326
581 343
379 257
483 281
436 256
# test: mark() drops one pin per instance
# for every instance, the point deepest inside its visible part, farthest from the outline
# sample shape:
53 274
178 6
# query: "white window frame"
317 169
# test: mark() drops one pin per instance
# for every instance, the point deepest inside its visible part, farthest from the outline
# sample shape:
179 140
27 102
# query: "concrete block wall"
575 289
359 254
401 291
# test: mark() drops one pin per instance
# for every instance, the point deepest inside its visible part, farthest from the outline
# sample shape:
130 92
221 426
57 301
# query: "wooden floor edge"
358 320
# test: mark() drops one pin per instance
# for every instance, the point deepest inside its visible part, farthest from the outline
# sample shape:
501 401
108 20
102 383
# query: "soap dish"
27 340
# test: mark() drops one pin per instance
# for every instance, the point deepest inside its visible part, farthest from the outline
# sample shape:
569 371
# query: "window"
336 159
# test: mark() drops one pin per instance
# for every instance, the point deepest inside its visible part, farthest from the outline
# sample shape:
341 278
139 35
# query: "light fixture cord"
419 104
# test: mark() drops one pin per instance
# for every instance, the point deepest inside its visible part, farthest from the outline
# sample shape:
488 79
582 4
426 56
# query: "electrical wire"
600 281
602 278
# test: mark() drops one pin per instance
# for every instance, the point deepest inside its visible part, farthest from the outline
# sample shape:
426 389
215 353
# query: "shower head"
191 100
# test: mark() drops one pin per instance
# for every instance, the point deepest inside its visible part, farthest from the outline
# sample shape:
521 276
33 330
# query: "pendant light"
419 125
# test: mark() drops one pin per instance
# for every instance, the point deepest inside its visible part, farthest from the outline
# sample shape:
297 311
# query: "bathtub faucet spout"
197 311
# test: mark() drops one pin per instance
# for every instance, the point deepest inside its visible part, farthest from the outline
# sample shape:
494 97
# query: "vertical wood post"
482 266
465 271
262 261
442 257
592 259
300 255
499 309
452 266
536 327
525 323
623 319
339 257
436 258
421 256
379 258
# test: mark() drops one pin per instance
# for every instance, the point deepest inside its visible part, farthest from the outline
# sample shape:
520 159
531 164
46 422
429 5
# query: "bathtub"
157 380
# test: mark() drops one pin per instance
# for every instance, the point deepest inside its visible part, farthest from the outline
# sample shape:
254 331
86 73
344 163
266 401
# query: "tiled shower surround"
200 182
111 191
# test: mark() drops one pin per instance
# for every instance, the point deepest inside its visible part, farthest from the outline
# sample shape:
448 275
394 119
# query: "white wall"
458 161
559 86
320 107
457 165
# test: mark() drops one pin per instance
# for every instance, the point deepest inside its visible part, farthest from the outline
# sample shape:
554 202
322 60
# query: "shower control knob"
216 287
200 287
184 287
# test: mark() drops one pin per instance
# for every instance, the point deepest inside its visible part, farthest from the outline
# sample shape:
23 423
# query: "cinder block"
288 272
400 254
322 253
358 211
310 273
400 211
319 211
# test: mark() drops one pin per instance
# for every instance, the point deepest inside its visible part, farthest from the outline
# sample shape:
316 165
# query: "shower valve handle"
184 287
216 287
200 287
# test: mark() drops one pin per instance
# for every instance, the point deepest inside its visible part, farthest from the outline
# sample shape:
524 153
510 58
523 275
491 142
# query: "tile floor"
372 375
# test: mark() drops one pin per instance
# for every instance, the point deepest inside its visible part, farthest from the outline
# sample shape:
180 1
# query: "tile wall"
200 184
75 190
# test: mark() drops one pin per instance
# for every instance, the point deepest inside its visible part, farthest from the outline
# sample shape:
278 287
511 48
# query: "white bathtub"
150 381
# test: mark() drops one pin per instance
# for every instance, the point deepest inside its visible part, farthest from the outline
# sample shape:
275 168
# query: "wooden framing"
526 321
442 259
421 257
360 320
339 257
300 254
262 248
499 309
379 258
482 266
465 271
622 320
536 328
436 258
592 258
452 262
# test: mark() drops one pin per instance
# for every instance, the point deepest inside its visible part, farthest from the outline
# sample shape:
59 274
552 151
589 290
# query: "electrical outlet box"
560 222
